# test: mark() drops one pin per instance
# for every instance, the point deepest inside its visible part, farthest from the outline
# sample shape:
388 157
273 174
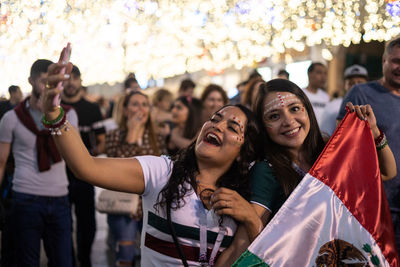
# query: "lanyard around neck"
203 241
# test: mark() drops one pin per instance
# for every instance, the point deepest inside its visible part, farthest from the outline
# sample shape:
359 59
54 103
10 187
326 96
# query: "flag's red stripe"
351 169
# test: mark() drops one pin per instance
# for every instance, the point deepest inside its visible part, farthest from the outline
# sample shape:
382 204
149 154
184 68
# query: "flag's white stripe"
312 216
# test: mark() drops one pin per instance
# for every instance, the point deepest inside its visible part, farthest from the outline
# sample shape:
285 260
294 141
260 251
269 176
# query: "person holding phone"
40 207
81 194
178 226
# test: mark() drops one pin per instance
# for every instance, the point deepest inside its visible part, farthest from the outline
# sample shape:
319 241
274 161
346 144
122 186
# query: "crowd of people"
211 172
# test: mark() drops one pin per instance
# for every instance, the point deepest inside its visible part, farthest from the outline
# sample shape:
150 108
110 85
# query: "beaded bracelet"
382 143
57 120
57 130
380 137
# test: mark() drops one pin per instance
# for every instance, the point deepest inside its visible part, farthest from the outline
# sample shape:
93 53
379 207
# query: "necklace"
205 194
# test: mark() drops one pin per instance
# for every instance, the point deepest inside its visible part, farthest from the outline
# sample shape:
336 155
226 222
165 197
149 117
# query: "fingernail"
66 76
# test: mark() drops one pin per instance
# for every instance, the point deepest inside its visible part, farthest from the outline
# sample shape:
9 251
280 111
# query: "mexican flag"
337 216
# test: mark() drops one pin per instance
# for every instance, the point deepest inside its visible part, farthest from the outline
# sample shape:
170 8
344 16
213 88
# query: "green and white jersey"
157 244
266 190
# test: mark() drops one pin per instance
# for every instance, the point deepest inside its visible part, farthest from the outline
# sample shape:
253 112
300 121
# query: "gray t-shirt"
386 108
27 178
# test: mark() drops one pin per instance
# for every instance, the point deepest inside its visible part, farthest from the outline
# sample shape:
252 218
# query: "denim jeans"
123 228
38 217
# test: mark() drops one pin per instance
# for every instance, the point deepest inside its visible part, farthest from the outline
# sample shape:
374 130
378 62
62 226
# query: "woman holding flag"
293 142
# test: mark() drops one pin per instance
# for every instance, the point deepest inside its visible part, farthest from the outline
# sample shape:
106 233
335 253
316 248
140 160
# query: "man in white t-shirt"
40 208
317 75
355 74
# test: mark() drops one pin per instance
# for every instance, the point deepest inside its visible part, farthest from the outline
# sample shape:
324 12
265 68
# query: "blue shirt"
386 106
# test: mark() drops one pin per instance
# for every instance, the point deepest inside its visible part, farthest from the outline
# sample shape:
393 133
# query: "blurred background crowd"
147 74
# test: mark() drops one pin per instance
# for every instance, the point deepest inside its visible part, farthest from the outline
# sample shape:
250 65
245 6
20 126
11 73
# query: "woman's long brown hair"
277 155
148 125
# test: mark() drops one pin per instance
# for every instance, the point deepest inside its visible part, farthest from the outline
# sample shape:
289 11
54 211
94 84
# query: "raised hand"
136 120
365 112
54 76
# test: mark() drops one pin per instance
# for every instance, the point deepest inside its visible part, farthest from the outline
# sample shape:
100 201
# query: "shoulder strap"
174 236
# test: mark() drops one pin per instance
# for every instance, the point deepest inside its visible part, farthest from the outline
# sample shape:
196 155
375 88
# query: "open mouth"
212 139
292 132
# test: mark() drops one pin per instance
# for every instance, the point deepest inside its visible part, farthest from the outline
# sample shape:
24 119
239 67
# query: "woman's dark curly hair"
277 155
185 169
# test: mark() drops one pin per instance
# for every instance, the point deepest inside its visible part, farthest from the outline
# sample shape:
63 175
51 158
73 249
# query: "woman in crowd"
135 136
213 98
293 143
161 109
251 91
186 118
178 225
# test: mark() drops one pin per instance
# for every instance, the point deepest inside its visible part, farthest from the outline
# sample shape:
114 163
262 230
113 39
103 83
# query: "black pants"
8 246
82 198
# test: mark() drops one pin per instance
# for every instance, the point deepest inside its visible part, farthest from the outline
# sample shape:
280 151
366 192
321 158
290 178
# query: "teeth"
292 131
213 136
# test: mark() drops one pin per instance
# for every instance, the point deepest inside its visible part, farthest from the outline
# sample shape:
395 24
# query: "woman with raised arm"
179 228
293 143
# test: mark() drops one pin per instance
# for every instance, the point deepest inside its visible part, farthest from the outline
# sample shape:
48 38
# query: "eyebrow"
235 122
293 103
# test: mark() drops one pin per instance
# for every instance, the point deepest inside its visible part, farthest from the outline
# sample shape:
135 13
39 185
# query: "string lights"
169 37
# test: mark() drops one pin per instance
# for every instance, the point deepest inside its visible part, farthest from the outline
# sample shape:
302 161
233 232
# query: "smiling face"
286 120
391 67
221 138
137 105
179 112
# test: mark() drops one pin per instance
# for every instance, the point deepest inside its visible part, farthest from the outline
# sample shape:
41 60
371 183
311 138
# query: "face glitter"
280 101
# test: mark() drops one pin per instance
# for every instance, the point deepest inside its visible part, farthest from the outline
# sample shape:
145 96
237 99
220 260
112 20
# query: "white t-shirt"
155 233
328 118
318 102
27 178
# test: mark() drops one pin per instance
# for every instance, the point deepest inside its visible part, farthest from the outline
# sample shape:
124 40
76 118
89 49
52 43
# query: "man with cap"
384 97
353 75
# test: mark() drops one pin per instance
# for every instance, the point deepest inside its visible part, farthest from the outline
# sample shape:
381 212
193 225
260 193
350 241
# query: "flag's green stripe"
184 231
248 259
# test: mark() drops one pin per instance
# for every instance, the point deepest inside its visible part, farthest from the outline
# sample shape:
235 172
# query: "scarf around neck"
46 149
